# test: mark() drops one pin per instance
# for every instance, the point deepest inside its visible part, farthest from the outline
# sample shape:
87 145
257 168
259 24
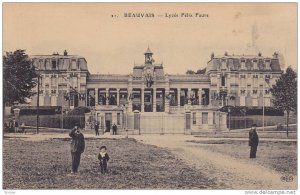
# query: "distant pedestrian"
23 128
115 128
6 127
77 147
103 158
11 126
253 141
16 126
97 128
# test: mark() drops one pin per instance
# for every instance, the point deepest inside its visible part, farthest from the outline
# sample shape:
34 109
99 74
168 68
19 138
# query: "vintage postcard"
150 96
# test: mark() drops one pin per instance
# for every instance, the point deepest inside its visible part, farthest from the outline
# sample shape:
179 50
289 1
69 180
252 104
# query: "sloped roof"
234 61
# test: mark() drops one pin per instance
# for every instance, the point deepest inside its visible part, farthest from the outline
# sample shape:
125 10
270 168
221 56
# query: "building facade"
148 98
242 80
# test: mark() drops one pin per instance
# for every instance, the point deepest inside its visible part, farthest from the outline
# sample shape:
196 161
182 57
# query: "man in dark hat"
115 128
77 147
253 141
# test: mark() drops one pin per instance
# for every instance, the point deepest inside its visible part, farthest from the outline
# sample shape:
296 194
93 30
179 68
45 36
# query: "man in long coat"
77 147
253 141
115 128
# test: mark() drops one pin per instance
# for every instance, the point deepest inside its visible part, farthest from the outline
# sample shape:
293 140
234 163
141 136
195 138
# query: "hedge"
240 111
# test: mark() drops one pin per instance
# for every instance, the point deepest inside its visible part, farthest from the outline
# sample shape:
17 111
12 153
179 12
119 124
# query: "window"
267 76
194 118
204 117
214 118
223 80
118 118
53 64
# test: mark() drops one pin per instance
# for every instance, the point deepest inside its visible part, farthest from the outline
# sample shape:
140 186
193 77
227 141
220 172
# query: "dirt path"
230 173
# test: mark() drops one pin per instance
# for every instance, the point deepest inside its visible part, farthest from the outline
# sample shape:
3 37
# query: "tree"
18 77
201 71
285 94
190 72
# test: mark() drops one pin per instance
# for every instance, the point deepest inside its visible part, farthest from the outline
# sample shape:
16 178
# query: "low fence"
157 124
241 122
53 121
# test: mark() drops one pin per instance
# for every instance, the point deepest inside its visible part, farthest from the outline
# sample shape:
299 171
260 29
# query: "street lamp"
229 110
266 80
38 104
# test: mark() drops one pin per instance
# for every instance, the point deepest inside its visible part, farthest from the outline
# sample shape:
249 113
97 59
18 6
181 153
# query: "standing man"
77 147
97 128
253 141
115 128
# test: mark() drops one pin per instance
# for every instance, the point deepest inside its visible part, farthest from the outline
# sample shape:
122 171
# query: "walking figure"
77 147
115 128
103 158
97 128
253 141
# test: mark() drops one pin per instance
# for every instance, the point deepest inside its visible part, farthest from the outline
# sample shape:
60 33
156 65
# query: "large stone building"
150 100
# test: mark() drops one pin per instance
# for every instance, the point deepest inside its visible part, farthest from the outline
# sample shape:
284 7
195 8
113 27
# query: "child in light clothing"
103 158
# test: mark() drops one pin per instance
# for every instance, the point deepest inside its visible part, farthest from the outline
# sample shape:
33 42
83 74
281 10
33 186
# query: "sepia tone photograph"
150 96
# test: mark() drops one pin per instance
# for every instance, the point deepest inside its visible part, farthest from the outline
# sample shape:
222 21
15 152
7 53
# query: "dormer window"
74 65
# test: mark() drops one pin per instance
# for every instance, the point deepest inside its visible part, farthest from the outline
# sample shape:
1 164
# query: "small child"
103 158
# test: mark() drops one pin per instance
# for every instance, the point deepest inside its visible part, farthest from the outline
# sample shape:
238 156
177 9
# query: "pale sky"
112 45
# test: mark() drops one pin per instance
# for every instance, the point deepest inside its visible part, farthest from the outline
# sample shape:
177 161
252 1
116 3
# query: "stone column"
167 102
96 97
118 96
129 92
200 96
107 95
154 99
189 96
178 98
142 99
167 92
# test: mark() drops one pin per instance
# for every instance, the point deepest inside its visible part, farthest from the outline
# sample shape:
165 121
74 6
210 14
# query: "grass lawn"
277 155
133 165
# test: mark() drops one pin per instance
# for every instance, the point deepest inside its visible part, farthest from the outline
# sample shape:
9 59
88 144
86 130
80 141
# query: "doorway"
107 126
108 121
